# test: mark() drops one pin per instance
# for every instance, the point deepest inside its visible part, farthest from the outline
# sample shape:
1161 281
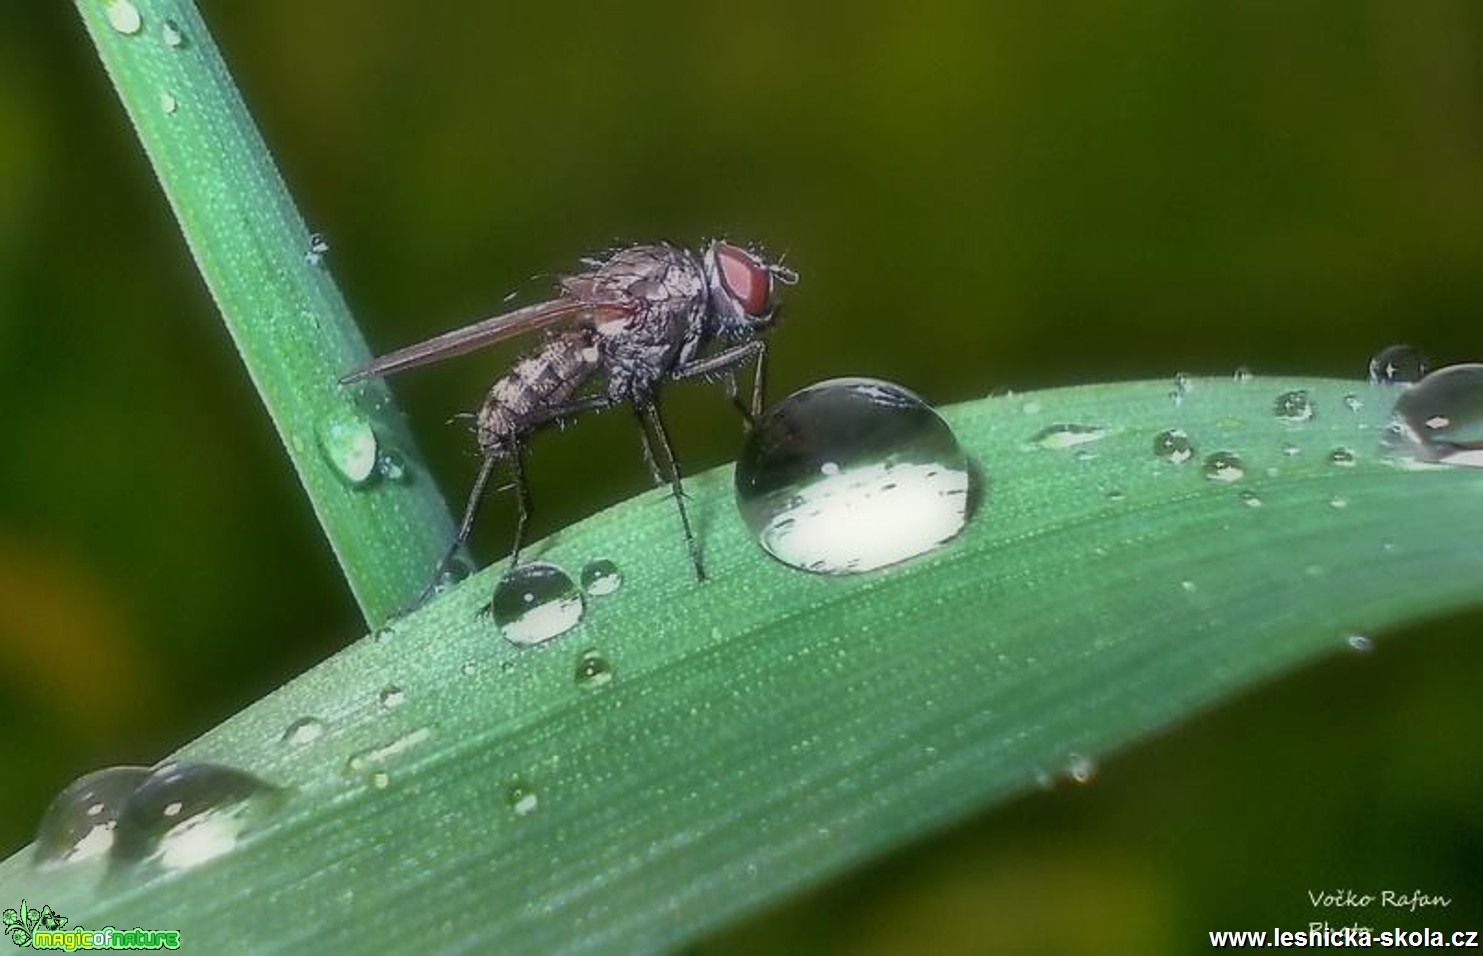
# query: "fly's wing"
488 332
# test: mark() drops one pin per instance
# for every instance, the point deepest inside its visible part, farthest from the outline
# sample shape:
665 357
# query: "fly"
617 332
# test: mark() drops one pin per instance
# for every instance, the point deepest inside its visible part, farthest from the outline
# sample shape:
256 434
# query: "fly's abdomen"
536 389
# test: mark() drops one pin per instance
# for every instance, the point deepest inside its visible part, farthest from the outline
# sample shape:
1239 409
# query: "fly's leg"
470 512
727 361
649 418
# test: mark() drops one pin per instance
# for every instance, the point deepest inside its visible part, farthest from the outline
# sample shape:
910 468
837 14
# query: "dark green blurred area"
978 196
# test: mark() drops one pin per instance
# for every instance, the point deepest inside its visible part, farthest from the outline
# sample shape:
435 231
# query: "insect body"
645 315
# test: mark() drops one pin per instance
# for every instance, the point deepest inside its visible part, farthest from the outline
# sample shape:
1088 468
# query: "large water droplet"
1224 466
593 670
851 474
1294 406
187 813
1066 435
1397 365
601 577
79 823
350 445
1440 418
1174 446
123 16
535 602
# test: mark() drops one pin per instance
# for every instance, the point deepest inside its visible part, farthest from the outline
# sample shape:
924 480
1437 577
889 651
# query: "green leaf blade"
769 728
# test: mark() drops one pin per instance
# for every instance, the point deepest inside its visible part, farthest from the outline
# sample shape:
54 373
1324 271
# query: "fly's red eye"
748 280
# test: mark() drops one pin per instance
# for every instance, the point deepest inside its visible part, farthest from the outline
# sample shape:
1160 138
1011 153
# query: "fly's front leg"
727 361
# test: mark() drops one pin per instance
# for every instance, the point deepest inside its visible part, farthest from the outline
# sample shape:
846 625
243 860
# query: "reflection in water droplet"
1294 406
1360 643
391 696
1397 365
1068 435
1440 418
79 823
601 577
187 813
168 103
851 475
522 798
1081 768
1343 457
305 730
535 602
1224 466
1174 446
123 16
593 670
1243 375
318 246
171 34
348 442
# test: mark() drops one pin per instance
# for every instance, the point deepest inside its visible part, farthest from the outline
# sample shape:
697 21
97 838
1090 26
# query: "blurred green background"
978 196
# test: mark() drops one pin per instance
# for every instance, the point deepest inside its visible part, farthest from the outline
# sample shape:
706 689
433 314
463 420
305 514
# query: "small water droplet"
451 573
1188 587
391 697
1353 402
1291 450
1360 643
522 798
1440 418
593 670
468 669
123 16
1030 408
350 445
379 756
1183 384
1068 435
1081 768
1174 446
389 465
318 246
168 103
601 577
380 779
187 813
1117 495
1398 365
900 487
170 33
79 823
535 602
1243 375
1294 406
1224 466
305 730
1250 498
1338 501
1343 457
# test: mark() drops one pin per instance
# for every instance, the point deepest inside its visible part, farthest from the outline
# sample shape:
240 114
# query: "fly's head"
742 288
